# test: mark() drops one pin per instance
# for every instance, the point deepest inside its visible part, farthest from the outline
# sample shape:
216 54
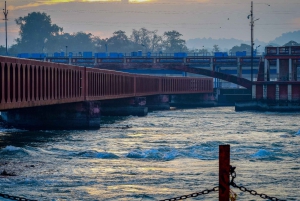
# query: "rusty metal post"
224 171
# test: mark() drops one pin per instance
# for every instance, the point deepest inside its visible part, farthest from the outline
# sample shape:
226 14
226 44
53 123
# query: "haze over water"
163 155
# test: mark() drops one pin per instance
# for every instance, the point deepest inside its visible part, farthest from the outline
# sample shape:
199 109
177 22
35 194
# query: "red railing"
29 83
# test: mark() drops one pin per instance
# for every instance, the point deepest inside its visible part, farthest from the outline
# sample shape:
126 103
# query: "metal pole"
252 25
224 172
5 12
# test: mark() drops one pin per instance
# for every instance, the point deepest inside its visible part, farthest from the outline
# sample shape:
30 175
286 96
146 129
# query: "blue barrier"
101 55
180 54
140 53
24 55
87 54
133 54
241 54
221 54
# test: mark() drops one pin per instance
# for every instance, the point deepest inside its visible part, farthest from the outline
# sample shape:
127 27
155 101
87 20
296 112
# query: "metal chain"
244 189
183 197
14 197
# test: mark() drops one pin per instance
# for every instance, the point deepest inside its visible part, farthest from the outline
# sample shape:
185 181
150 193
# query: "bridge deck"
29 83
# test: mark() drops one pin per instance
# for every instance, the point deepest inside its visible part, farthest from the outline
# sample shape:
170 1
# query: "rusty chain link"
6 196
183 197
244 189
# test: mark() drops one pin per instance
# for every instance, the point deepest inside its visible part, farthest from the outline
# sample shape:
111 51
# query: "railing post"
224 171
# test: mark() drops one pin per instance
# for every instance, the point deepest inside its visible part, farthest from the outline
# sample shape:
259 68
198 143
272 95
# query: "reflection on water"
162 155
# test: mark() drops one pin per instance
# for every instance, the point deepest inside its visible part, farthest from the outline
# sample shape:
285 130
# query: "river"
163 155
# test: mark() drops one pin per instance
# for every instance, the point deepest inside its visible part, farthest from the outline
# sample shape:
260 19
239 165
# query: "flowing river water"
163 155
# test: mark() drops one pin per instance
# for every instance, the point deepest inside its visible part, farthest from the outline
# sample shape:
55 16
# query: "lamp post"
5 12
106 47
66 50
252 43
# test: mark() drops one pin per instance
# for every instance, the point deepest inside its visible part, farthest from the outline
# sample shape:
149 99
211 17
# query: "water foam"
262 153
95 154
157 154
11 148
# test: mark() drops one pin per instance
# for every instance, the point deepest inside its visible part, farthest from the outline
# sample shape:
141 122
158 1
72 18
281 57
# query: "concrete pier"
278 106
83 115
158 102
124 111
192 100
135 106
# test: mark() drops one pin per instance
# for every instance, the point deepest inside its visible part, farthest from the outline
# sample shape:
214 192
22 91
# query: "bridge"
220 67
29 83
65 91
182 67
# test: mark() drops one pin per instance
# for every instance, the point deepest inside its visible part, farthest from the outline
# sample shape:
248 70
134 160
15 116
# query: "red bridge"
29 83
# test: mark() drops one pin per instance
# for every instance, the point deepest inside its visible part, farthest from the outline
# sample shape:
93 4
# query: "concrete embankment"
266 106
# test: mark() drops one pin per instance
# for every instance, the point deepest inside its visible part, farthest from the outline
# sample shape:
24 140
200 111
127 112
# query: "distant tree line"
37 34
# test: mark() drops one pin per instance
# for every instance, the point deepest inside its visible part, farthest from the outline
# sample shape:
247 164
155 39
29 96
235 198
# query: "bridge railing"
106 84
29 83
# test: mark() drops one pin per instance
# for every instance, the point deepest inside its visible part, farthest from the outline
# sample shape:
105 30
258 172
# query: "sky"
192 18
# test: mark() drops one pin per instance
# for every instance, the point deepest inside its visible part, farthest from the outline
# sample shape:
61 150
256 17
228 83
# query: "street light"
66 50
252 43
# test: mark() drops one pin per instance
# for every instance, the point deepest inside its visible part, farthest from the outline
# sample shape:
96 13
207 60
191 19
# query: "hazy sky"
192 18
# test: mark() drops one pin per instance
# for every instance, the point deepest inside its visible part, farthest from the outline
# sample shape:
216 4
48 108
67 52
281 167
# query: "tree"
292 43
35 29
119 42
216 48
241 48
2 50
146 38
173 43
76 42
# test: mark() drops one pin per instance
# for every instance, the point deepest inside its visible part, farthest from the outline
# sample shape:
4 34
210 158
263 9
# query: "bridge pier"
135 106
158 102
81 115
192 100
272 96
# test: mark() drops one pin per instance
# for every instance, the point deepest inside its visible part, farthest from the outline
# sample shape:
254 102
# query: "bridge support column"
253 92
124 107
158 102
290 70
239 67
278 69
192 100
212 64
277 93
265 91
266 70
83 115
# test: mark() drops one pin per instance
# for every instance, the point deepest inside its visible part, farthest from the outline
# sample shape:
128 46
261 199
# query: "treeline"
37 34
